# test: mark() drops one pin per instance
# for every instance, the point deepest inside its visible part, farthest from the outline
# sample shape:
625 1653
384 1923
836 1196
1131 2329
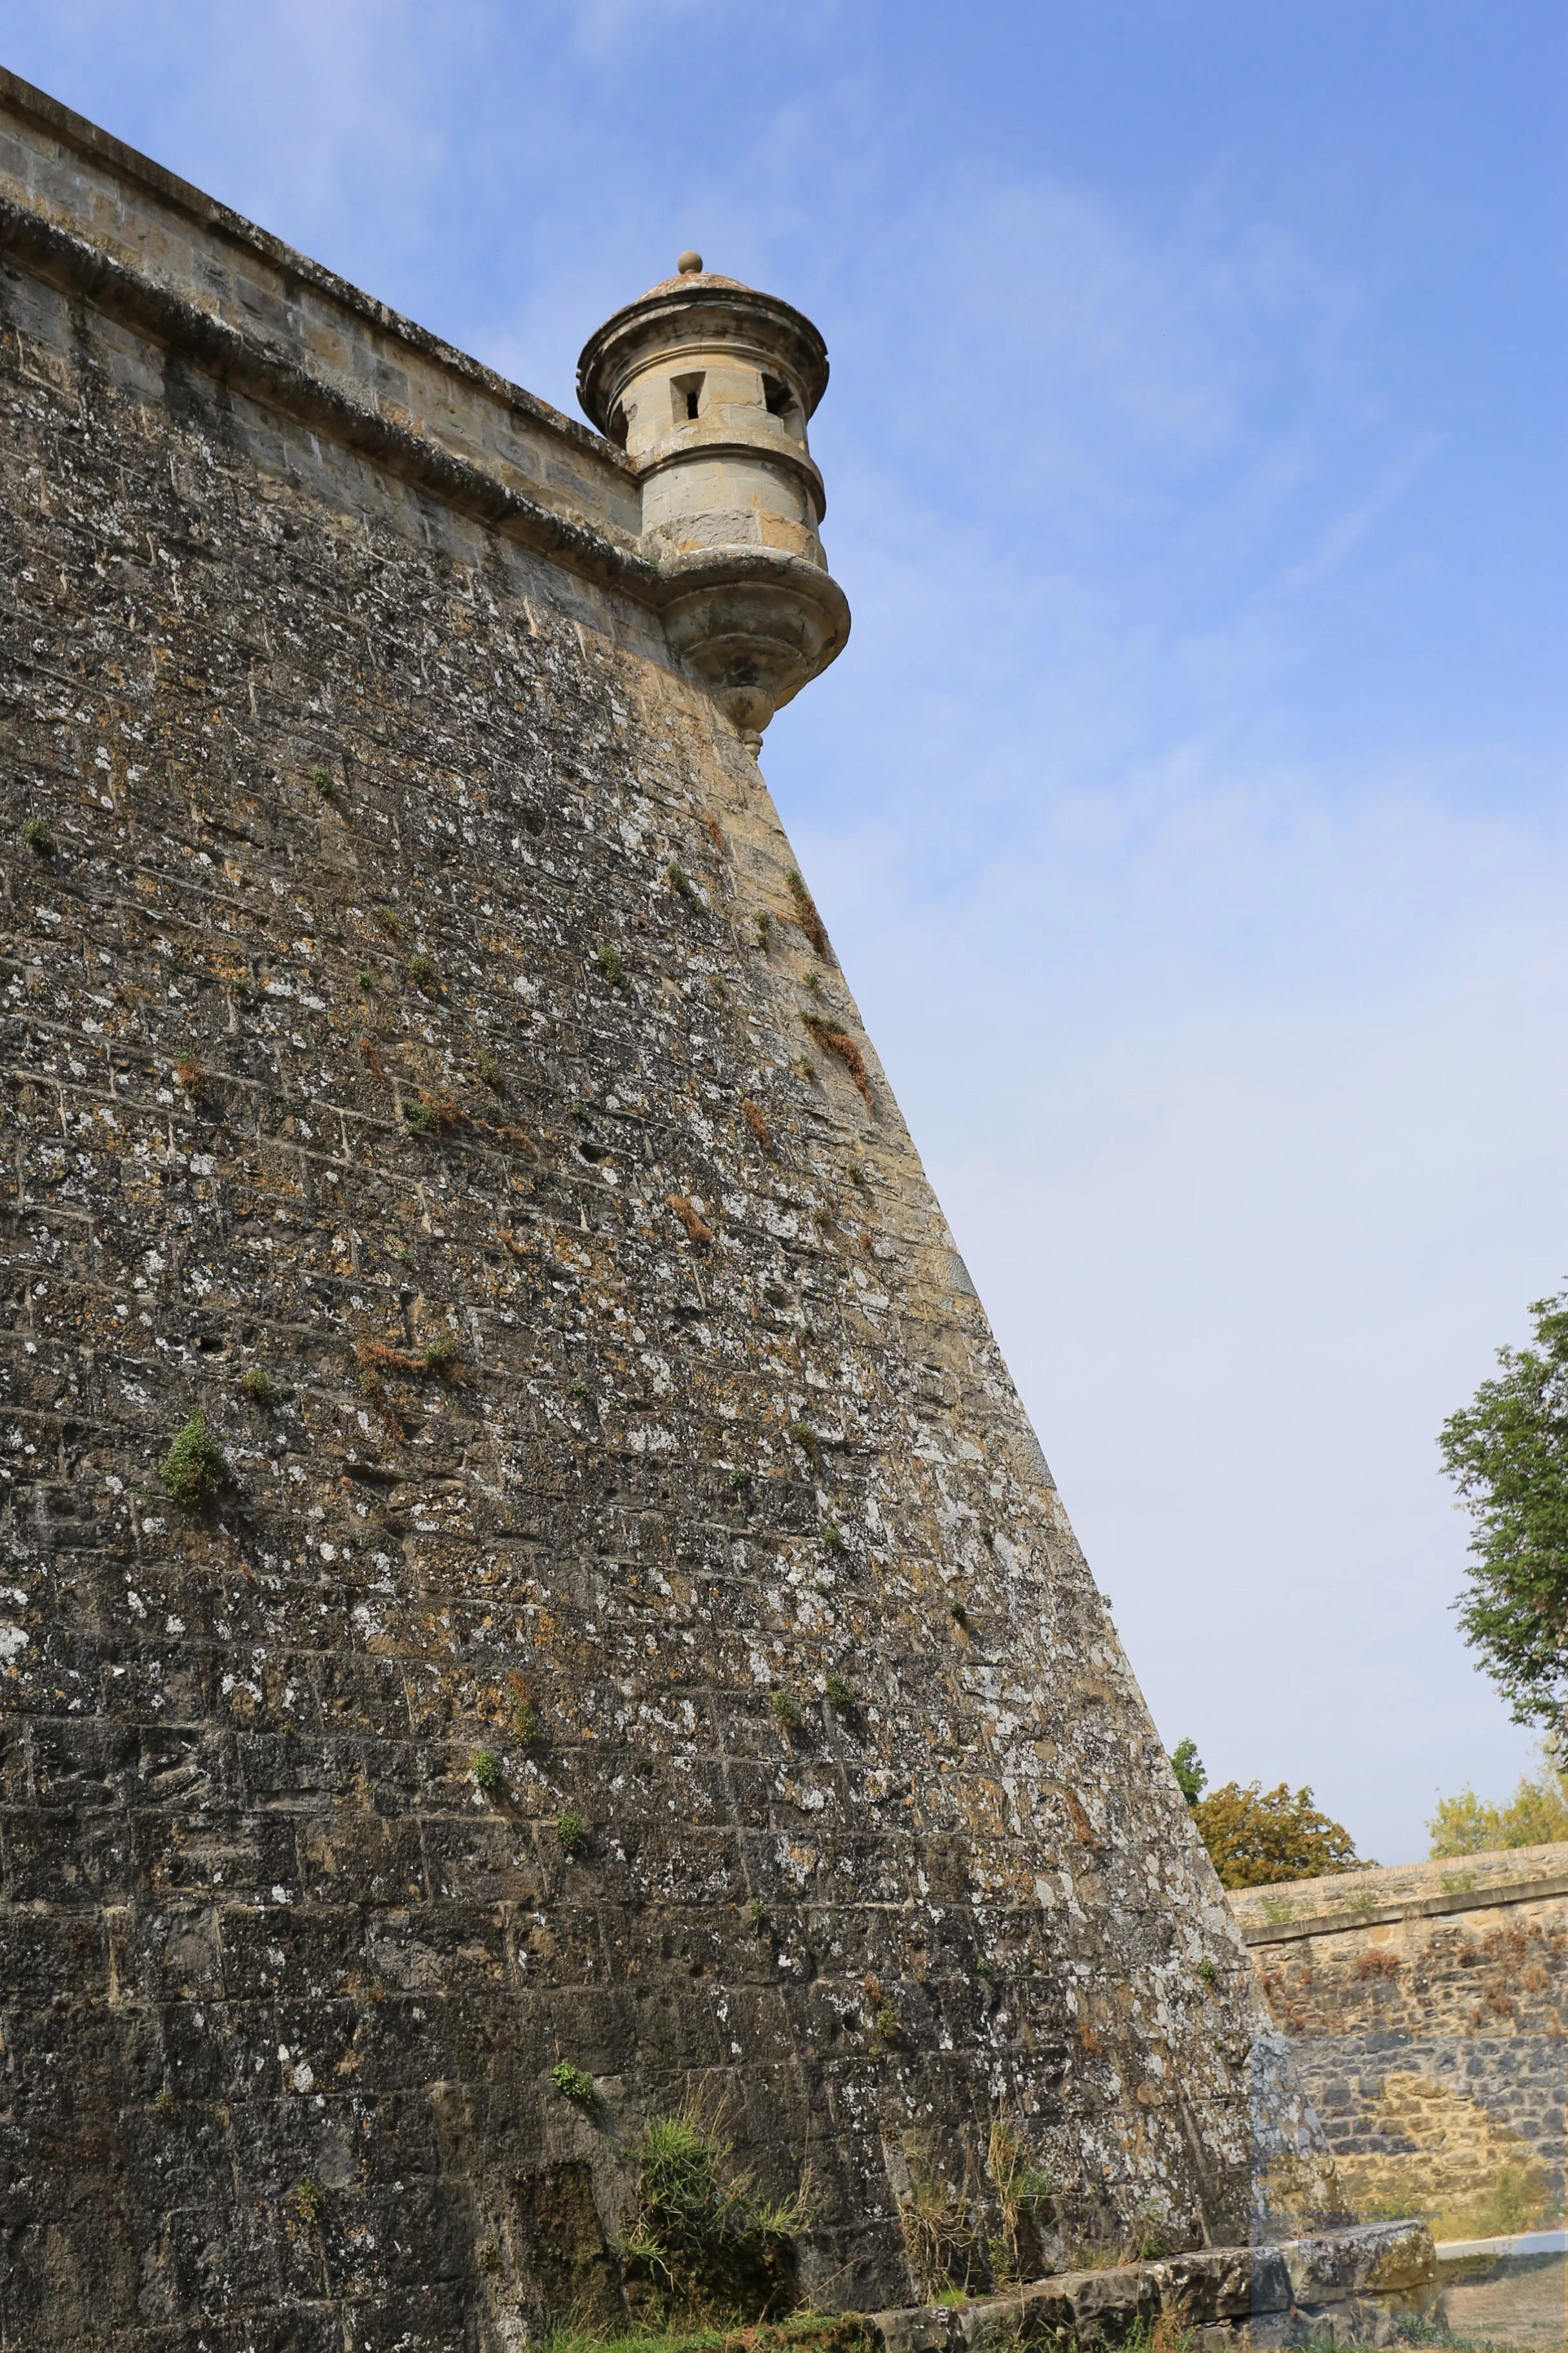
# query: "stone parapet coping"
1217 2289
1375 1916
1367 1899
269 373
1524 2246
128 164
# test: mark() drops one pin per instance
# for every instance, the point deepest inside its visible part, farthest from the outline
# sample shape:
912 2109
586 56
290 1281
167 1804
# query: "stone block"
1374 2258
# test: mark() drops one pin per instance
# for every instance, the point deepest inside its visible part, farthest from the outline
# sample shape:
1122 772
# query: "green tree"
1536 1815
1507 1453
1188 1767
1256 1836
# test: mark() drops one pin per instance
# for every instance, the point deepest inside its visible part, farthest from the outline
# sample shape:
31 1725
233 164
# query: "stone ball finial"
689 263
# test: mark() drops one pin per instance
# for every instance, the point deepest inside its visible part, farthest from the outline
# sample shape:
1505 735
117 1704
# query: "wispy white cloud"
1348 530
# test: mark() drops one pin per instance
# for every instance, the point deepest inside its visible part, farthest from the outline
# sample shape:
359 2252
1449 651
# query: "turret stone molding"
708 386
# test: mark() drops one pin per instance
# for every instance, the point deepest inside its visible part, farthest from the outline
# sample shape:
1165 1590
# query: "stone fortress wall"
1425 2007
637 1629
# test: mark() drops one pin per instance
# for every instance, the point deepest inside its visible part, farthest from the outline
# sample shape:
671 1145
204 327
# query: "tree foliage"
1536 1815
1257 1836
1507 1453
1188 1767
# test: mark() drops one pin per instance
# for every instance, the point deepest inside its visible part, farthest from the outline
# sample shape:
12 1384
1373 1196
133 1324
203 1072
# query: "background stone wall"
1424 2009
637 1629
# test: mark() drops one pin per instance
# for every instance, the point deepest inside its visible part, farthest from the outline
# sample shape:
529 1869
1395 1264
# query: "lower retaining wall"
1424 2009
1346 2288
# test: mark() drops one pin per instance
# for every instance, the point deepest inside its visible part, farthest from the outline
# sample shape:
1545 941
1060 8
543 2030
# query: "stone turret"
707 388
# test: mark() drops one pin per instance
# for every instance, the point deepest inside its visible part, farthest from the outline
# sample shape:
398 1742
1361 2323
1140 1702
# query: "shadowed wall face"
621 1617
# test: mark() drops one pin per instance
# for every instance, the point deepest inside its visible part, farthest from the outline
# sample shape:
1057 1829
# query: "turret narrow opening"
686 397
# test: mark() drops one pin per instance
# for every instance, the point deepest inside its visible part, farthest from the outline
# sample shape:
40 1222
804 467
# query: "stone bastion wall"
635 1629
1425 2007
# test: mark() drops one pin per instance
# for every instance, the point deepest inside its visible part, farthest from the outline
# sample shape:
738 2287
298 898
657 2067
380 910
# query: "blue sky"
1189 807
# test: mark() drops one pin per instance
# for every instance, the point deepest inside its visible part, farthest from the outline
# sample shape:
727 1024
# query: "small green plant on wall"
525 1717
574 2084
195 1467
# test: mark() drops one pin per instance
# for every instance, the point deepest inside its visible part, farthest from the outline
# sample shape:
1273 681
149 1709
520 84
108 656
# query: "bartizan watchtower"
707 388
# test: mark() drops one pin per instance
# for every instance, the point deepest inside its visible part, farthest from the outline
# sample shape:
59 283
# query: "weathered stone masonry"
324 652
1423 2005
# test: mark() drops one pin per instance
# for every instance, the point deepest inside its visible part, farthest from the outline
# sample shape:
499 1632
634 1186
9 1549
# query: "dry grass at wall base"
704 2245
1025 2195
843 2332
989 2227
800 2332
814 2332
